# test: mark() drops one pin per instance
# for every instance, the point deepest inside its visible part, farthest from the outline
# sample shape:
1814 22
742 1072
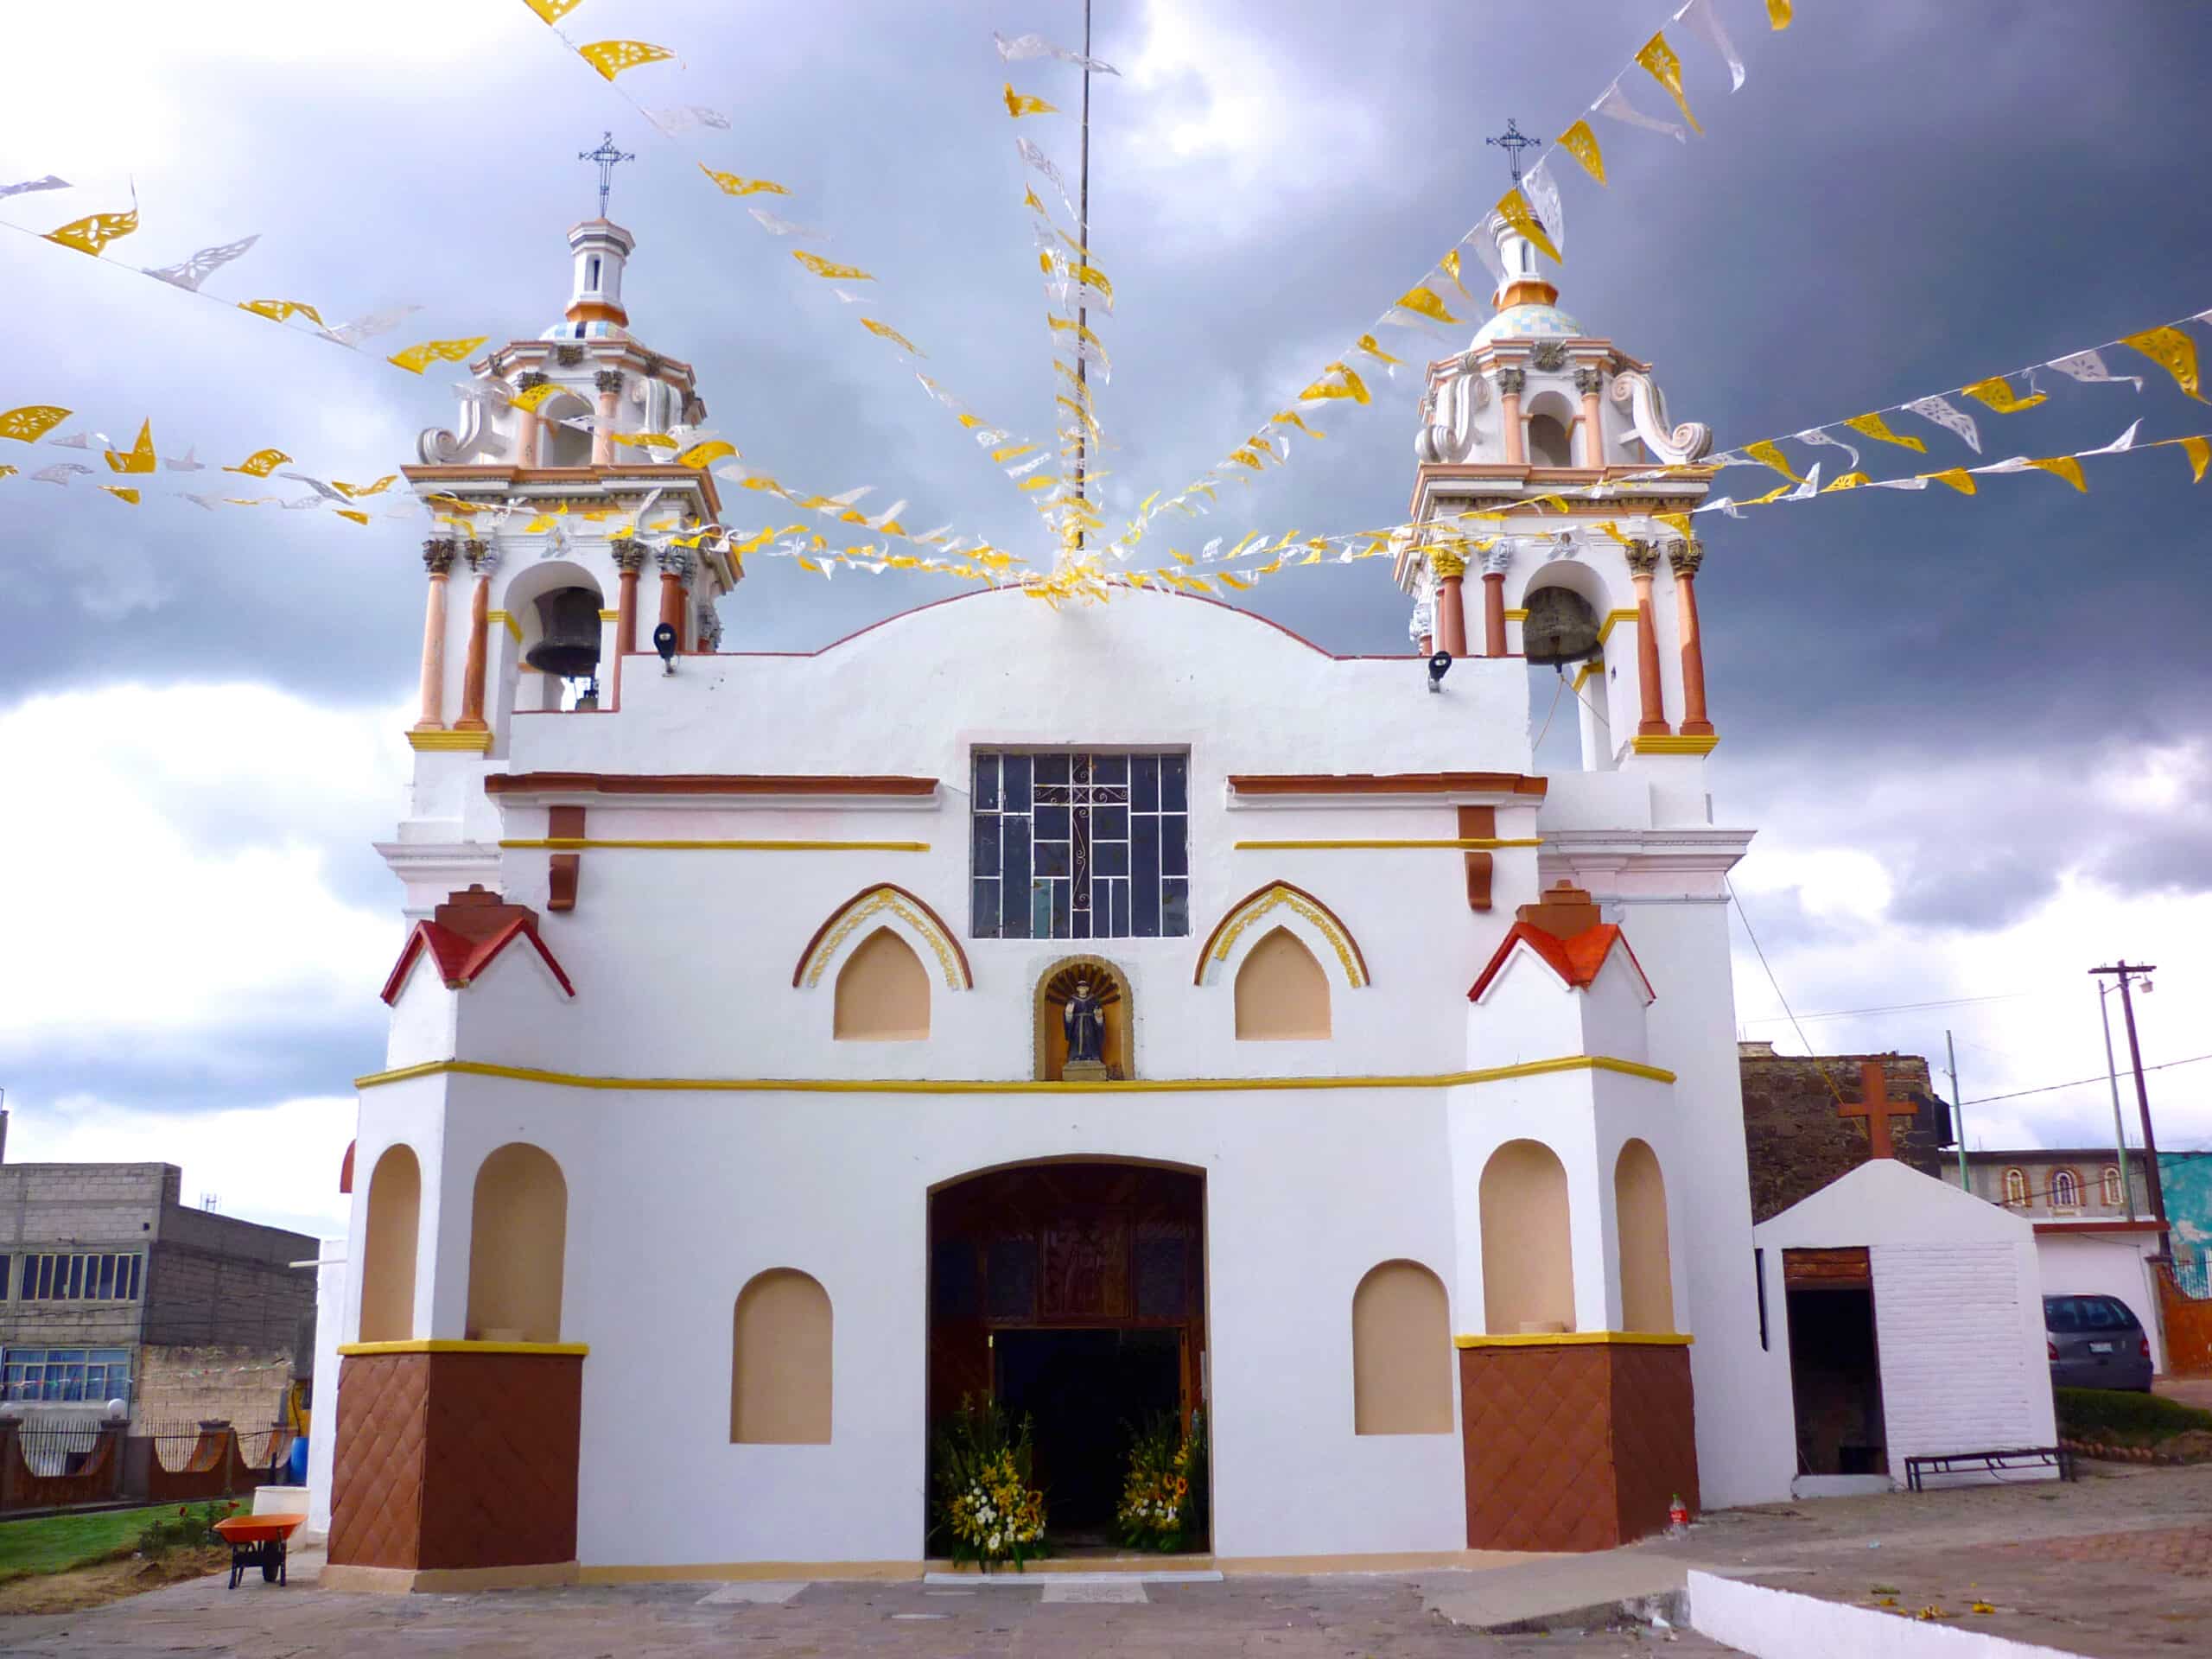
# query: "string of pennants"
1533 207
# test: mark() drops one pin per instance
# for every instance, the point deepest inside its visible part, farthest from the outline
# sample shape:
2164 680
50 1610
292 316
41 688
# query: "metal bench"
2040 1456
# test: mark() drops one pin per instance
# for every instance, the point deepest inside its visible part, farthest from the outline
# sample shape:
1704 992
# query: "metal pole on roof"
1958 1109
2119 1127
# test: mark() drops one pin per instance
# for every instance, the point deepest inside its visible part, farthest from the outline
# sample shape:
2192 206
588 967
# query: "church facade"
1101 1010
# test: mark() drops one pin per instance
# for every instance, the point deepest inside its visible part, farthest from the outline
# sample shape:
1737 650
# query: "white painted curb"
1781 1625
1026 1580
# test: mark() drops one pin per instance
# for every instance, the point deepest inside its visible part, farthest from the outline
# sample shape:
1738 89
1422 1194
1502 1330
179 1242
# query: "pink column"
1510 383
1451 605
609 383
1643 561
1685 557
437 559
480 560
526 430
1588 382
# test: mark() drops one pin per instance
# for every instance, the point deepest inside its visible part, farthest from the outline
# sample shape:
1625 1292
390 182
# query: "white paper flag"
49 182
190 273
777 227
1543 194
60 472
189 462
1614 103
321 488
1037 158
2090 368
682 117
1950 418
1809 488
83 439
210 502
369 326
1703 19
1814 435
1899 484
1036 46
2119 445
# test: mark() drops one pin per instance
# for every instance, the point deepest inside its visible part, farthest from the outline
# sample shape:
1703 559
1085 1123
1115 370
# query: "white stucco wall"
2090 1264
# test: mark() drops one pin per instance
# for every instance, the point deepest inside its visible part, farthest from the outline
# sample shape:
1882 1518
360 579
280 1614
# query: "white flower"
994 1540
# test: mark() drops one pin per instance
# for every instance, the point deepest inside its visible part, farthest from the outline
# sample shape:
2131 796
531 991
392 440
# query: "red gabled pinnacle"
463 937
1564 930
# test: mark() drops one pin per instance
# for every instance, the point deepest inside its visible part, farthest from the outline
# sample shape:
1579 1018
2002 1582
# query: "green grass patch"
2116 1417
55 1543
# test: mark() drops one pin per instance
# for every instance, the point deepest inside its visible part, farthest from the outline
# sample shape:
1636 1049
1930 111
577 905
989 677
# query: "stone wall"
1797 1142
177 1387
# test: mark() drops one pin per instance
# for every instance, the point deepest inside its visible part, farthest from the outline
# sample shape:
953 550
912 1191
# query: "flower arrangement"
1163 1494
985 1507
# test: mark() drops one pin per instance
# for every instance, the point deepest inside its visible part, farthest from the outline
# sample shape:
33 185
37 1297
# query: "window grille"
65 1375
1080 846
70 1277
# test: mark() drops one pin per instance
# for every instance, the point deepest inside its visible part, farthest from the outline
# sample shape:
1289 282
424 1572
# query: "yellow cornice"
1578 1339
443 1345
577 843
1675 745
1467 844
507 619
1611 617
1582 676
604 616
435 742
1009 1086
1518 615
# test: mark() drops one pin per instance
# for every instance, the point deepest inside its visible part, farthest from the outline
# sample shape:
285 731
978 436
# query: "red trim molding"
1198 973
2100 1226
966 974
1389 783
700 783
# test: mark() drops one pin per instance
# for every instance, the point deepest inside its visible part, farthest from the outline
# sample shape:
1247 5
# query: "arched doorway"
1072 1292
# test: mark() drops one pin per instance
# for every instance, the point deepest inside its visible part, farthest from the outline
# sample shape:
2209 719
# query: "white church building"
728 1135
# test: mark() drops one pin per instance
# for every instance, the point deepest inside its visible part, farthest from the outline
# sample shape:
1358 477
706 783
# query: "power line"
1899 1007
2049 1088
1777 984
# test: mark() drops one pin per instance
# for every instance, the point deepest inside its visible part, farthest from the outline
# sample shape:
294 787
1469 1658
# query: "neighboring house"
111 1288
1803 1128
2060 1183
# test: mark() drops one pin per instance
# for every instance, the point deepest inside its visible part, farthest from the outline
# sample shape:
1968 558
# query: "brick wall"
243 1386
45 1207
216 1280
1796 1143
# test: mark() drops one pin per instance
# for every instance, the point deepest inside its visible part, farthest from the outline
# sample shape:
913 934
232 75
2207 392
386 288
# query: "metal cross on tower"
606 155
1513 140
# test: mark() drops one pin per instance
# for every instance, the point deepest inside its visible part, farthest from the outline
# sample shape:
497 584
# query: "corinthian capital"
1447 565
1685 557
438 553
608 380
1589 382
1510 382
629 554
482 555
676 561
1643 558
1498 559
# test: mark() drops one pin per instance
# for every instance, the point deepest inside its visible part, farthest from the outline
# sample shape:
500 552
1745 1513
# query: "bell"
1560 628
569 620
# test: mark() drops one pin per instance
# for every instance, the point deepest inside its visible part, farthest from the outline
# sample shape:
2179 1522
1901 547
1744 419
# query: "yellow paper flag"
2173 350
1767 454
647 439
2198 452
279 310
1292 418
122 493
611 57
1449 264
8 472
1580 142
1230 578
1847 481
1337 381
731 185
821 267
1666 68
140 457
1018 103
260 463
1516 213
1778 13
32 422
1774 494
358 516
1996 392
1373 348
1872 426
884 331
552 12
1957 477
95 232
1424 301
2063 467
702 455
1011 452
1068 325
415 359
531 397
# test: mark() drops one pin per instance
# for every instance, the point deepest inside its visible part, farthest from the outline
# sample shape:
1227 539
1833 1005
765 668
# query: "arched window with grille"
2065 1190
2016 1187
2115 1195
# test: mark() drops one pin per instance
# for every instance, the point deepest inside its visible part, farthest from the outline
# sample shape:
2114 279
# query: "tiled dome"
1528 322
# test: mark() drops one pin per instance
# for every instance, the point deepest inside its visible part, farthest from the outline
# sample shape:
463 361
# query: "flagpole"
1083 309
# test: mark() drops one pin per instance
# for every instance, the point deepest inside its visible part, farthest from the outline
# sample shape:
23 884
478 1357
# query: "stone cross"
1876 1107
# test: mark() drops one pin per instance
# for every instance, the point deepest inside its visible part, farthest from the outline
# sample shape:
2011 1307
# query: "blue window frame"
65 1375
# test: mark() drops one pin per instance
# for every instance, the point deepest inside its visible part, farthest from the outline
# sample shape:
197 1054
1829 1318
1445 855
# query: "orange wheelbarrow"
258 1541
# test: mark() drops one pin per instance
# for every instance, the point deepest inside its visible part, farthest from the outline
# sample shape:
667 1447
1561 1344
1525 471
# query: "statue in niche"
1084 1018
1082 1022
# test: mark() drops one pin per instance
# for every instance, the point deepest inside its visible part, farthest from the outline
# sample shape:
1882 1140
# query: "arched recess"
1281 992
1528 1249
517 1240
390 1231
1110 986
888 907
1640 1226
559 445
883 993
1401 1352
1292 909
534 691
780 1361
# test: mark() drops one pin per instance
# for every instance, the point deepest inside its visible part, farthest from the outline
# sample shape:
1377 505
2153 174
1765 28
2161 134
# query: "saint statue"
1084 1020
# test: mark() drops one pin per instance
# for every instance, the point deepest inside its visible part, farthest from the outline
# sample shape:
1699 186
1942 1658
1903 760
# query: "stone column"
527 432
481 560
1450 607
1511 385
1685 557
629 559
1643 561
1494 563
675 571
1589 382
437 559
609 383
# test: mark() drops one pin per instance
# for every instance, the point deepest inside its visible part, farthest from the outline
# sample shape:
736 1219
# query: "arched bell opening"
557 606
559 445
1562 628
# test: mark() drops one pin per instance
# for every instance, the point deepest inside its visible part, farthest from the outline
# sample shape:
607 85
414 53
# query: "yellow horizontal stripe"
1583 675
574 843
1675 745
472 742
1577 1338
445 1346
1470 842
506 617
1611 617
1517 615
1011 1086
610 616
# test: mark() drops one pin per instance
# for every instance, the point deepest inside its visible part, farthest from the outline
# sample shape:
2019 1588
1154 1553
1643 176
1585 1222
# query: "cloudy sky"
1971 733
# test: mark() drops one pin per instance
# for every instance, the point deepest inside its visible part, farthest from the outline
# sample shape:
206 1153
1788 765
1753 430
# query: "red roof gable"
1576 960
461 959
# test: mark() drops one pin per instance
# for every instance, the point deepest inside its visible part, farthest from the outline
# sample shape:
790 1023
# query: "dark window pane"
1041 910
1079 920
1174 844
1017 783
1144 849
1102 908
987 911
1173 796
987 844
987 782
1174 909
107 1278
1010 1279
1163 1277
1111 823
1109 858
1121 909
134 1261
1051 857
1014 884
4 1278
1051 768
1052 823
76 1277
1113 769
1060 919
955 1292
1144 783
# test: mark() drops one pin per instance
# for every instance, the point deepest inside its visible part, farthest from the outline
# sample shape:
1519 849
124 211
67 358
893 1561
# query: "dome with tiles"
1528 322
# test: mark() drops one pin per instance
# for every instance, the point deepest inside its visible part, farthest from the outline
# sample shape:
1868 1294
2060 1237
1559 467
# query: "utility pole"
2112 1076
1958 1109
2126 972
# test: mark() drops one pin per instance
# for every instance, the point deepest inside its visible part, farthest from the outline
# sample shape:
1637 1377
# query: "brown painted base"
1575 1447
446 1581
456 1460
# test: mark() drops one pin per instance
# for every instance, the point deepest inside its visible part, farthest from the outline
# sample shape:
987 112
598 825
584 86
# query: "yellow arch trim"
951 961
1299 903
